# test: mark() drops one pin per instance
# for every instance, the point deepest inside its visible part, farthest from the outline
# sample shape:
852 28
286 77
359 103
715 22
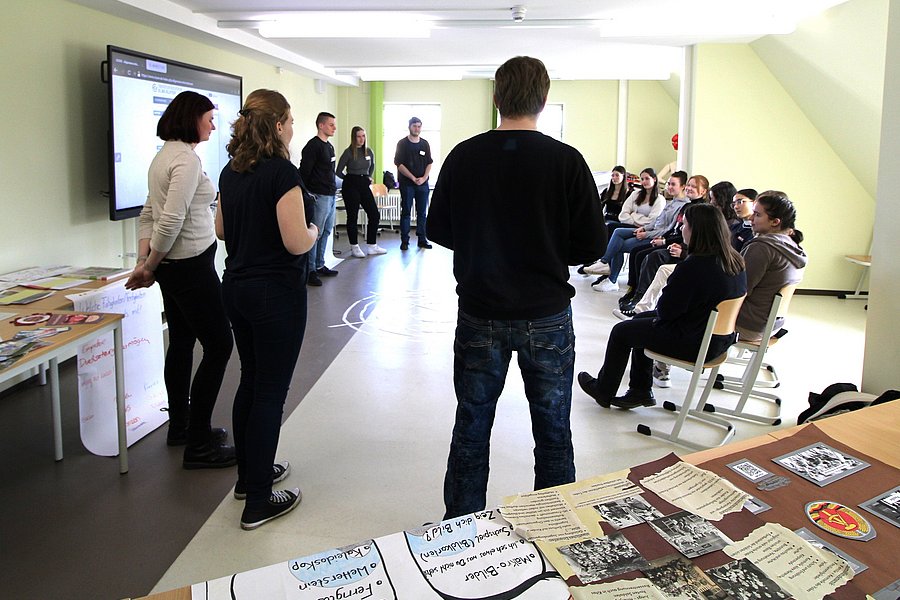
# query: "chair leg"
701 413
746 387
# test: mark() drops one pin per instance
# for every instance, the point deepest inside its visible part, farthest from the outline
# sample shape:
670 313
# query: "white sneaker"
606 286
661 375
598 268
356 251
376 249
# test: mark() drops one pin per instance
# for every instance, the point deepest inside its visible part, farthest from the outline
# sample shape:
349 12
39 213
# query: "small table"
63 345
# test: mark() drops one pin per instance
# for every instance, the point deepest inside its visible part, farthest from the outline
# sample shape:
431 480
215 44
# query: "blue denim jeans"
621 241
268 318
408 192
545 351
323 217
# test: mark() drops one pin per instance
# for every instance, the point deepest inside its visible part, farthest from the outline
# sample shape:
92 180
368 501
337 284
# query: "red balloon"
675 141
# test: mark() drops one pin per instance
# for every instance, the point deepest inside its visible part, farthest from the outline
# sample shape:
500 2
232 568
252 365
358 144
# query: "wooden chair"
721 322
749 383
387 206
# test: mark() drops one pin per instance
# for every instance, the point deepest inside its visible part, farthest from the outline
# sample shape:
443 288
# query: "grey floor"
367 444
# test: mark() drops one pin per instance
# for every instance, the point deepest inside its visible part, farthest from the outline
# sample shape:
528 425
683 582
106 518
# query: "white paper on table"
801 569
633 589
696 490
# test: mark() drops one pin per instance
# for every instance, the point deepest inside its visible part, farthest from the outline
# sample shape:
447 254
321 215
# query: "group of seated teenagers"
649 231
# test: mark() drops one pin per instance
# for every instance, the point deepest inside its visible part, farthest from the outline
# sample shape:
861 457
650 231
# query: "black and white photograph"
743 580
821 544
748 470
755 505
886 506
680 579
689 534
626 512
820 463
601 558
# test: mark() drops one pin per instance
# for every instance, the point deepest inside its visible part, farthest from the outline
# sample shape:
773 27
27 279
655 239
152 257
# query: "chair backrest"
786 293
728 313
379 189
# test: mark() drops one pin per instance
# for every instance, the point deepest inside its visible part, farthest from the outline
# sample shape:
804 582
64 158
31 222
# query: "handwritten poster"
143 355
475 557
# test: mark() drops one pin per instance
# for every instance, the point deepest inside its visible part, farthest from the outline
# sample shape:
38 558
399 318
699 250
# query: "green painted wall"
652 121
750 131
54 158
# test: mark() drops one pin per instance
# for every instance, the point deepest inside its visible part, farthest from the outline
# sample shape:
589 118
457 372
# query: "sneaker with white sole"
598 268
623 315
606 286
376 249
356 251
280 503
280 471
661 375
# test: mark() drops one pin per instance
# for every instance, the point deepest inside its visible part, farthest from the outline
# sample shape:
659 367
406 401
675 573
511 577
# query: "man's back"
516 207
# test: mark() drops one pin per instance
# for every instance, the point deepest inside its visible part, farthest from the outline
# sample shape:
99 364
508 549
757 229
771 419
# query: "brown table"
63 345
872 431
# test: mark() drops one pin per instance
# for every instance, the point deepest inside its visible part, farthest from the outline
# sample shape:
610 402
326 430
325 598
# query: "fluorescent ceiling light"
409 73
358 24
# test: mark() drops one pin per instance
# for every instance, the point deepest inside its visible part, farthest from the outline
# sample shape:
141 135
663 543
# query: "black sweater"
516 207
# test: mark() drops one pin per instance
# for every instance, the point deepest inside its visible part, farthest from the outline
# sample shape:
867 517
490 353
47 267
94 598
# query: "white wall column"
622 125
881 365
685 158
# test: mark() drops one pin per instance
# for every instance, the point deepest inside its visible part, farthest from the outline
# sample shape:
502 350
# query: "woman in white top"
644 204
177 248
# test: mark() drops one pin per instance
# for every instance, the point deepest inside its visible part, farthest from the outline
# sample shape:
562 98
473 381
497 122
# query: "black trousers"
652 262
629 338
192 299
356 192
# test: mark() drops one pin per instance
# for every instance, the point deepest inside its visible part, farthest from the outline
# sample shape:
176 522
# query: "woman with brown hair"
712 272
263 220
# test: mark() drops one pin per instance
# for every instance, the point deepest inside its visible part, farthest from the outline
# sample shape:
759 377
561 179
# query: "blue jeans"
408 192
622 240
323 217
268 318
482 349
192 299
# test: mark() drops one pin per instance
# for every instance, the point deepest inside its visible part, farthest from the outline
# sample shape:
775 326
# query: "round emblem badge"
840 520
32 319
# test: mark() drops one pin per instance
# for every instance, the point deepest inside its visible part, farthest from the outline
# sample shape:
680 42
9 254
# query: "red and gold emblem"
840 520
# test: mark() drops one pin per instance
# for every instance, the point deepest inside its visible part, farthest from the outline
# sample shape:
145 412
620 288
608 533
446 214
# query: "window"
550 122
396 126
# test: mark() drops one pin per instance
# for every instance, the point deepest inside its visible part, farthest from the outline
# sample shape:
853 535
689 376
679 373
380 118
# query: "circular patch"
840 520
32 319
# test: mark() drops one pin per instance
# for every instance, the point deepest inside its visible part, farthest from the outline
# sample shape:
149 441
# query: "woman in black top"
262 219
712 272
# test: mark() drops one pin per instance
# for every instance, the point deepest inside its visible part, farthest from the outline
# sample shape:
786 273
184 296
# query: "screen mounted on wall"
140 88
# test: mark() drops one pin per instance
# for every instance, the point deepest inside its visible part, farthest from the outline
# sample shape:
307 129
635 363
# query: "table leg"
120 400
53 368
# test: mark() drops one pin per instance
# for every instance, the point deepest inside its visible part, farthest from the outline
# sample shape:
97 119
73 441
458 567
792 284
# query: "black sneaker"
404 245
280 470
600 279
279 503
634 399
209 456
313 280
588 384
626 299
326 272
581 270
179 437
425 245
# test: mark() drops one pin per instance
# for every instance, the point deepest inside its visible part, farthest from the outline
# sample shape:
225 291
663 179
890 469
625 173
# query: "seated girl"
712 272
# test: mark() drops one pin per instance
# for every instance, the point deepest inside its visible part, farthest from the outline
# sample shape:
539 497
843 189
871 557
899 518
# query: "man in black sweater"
533 211
317 173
